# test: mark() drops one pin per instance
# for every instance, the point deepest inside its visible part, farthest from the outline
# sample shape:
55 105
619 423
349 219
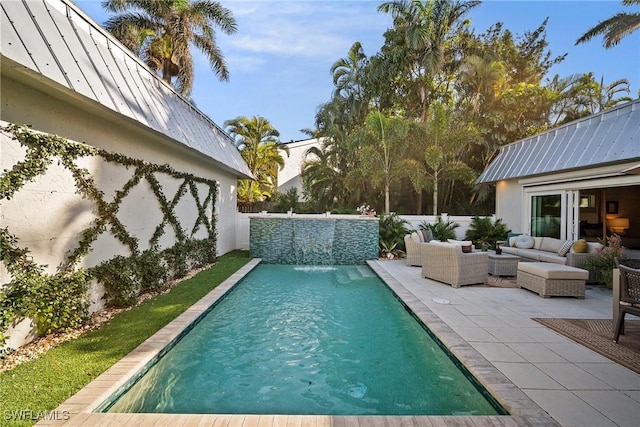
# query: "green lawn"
44 383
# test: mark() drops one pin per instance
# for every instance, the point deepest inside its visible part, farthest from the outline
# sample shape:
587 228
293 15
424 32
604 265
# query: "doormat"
502 282
597 334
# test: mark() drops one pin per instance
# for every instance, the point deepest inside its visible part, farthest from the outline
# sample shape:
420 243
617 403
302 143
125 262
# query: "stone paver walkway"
575 385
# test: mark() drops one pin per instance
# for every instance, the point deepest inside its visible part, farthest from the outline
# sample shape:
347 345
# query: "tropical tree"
347 72
163 32
484 80
499 89
422 41
443 161
260 148
580 95
383 145
615 28
319 177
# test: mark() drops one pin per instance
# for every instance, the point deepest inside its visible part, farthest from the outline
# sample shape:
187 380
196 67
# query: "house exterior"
290 176
62 74
579 180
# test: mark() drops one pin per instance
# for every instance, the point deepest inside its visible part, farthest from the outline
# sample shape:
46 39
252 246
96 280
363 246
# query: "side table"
503 264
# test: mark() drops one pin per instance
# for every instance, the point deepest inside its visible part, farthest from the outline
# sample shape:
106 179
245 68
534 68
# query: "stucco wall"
289 175
48 215
509 206
101 128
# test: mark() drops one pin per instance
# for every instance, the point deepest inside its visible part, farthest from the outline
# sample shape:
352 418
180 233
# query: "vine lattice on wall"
123 278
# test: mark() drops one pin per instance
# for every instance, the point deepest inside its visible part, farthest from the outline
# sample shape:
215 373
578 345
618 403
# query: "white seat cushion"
548 270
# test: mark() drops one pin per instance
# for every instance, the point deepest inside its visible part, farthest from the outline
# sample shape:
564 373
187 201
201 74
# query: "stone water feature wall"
313 239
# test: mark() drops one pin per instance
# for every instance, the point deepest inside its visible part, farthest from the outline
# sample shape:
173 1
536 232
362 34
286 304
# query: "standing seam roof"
612 136
56 39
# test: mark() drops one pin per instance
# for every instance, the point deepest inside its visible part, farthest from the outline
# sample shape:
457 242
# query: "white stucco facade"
290 175
581 176
62 74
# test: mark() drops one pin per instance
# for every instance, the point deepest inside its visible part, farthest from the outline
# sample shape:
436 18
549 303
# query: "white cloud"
244 63
305 29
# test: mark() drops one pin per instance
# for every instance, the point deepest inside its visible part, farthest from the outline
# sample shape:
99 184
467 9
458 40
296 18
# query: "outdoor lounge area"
574 384
124 205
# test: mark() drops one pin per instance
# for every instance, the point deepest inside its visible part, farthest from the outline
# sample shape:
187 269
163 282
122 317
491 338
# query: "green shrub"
204 252
484 230
152 270
178 259
391 235
63 302
56 302
120 280
603 263
441 230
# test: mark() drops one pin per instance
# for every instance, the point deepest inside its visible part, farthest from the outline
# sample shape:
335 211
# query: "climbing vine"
60 301
56 302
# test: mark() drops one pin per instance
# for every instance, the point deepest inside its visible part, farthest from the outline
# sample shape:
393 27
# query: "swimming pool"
327 340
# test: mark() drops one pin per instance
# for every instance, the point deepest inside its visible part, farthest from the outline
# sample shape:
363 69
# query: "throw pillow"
565 248
511 238
551 244
580 246
467 249
415 236
537 242
524 242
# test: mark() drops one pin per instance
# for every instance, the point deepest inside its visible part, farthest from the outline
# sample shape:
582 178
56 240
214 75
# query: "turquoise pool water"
306 340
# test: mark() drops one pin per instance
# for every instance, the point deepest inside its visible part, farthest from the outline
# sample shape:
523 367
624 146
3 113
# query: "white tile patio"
572 383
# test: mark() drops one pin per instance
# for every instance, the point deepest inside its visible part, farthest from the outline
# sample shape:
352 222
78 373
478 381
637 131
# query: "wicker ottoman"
503 264
549 279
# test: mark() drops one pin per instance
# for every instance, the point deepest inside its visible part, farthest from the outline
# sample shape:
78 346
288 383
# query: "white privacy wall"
62 74
50 115
49 214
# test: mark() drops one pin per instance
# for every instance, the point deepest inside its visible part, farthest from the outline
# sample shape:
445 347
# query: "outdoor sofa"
550 249
447 263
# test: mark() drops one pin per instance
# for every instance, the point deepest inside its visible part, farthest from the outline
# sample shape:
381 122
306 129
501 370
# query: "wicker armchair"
447 263
413 251
629 296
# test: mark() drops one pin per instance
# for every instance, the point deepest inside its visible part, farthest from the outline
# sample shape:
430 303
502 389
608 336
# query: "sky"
280 57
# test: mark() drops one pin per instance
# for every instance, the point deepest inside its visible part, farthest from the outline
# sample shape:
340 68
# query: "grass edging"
41 385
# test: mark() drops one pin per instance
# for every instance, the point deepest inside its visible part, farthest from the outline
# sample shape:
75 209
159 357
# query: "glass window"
546 215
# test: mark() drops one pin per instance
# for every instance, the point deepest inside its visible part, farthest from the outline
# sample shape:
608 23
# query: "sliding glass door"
554 214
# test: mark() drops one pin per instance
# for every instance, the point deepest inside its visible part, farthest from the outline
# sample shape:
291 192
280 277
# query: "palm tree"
349 93
260 148
581 95
162 33
347 71
447 142
483 79
427 26
615 28
383 151
319 177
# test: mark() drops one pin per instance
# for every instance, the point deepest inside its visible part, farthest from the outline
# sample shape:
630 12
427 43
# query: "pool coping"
77 410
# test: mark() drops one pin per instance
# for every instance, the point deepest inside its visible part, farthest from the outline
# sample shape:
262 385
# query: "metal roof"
57 40
609 137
